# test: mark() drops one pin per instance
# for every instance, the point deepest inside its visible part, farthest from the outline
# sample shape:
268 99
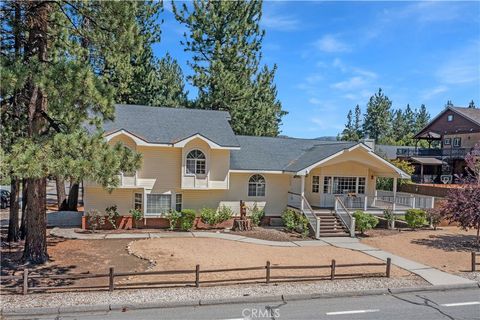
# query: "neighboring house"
192 159
450 136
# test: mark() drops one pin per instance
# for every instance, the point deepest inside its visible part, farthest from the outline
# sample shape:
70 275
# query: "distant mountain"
327 138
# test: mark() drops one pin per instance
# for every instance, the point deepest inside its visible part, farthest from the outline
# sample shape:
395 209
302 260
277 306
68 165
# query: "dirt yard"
447 248
75 256
174 254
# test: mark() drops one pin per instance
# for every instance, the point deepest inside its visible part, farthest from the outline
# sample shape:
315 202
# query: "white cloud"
430 93
350 84
315 101
325 124
463 66
329 43
279 22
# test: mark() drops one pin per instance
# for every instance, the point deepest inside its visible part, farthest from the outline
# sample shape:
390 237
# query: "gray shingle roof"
170 125
282 154
470 113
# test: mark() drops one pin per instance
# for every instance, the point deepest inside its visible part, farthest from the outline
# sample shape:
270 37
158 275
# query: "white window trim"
256 187
316 184
156 214
457 139
449 141
201 175
332 177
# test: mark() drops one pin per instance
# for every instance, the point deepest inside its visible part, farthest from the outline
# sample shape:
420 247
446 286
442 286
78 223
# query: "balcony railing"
425 152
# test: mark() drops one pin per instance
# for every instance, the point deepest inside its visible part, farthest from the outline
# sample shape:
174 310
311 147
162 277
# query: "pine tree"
471 105
348 133
75 57
422 118
169 86
225 39
378 117
357 123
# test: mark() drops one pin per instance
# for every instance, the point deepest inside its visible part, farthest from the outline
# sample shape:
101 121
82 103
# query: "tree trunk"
23 225
61 196
35 250
73 197
37 20
13 228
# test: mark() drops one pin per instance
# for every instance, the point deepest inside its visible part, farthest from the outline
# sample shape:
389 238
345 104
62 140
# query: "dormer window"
196 162
450 118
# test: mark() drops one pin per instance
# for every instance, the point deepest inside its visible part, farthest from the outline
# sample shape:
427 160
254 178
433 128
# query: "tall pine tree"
75 57
225 39
377 117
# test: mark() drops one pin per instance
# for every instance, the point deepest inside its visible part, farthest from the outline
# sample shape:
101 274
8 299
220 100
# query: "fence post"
25 281
332 271
474 261
110 280
317 230
352 228
267 275
389 267
197 275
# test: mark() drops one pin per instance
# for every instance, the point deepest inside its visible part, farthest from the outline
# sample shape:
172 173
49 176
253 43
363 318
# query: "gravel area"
475 276
10 302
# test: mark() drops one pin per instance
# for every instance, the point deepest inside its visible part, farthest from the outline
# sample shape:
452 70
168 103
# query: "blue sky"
334 55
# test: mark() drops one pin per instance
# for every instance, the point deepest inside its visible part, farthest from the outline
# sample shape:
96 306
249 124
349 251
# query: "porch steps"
331 225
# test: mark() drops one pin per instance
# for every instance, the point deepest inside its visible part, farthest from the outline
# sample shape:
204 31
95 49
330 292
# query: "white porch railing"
405 200
344 214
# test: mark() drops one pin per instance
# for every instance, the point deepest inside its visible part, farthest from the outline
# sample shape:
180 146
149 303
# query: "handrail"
347 224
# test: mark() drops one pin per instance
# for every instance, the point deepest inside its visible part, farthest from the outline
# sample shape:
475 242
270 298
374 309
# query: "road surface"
453 304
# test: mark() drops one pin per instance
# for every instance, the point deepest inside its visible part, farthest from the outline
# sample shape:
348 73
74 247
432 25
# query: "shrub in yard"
208 216
95 219
364 221
173 217
187 219
137 215
434 216
112 216
256 215
289 218
224 213
390 217
293 220
415 218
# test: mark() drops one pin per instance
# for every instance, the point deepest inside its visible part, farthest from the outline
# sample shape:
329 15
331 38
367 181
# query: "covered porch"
346 182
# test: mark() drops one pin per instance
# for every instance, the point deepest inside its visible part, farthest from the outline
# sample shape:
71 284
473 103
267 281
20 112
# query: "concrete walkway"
69 233
432 275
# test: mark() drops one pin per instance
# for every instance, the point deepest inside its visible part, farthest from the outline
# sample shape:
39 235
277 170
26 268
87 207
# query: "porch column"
302 191
421 174
394 193
144 207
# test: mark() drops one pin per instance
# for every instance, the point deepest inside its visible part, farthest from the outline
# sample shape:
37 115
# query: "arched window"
256 186
196 162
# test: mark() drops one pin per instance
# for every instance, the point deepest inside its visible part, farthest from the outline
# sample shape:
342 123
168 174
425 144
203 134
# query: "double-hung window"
315 184
457 142
178 202
138 201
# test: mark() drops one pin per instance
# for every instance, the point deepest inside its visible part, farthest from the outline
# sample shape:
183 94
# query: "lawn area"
447 248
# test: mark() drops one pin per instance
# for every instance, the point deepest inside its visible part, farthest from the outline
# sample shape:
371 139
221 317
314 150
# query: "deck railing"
344 214
299 202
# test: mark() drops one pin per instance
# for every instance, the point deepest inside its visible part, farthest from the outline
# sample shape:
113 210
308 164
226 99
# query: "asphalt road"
453 304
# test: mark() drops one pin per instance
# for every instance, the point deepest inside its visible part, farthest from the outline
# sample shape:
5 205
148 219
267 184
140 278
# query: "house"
192 159
450 136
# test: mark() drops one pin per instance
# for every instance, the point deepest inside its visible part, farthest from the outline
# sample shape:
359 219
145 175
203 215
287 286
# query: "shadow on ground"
449 242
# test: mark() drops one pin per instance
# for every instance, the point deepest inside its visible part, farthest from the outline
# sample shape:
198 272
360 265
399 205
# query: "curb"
239 300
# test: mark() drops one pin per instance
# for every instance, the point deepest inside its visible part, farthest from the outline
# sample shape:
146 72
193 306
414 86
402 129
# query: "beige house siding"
274 202
99 199
162 164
